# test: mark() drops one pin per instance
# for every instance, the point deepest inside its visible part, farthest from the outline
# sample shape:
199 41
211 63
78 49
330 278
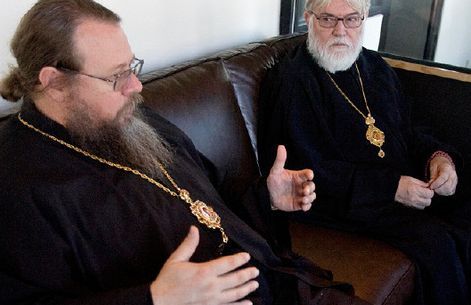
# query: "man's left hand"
290 190
443 175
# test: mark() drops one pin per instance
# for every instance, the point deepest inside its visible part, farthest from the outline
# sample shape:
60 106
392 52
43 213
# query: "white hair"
361 6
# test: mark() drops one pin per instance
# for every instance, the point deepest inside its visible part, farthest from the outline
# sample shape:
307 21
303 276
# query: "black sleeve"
15 291
37 265
421 139
342 187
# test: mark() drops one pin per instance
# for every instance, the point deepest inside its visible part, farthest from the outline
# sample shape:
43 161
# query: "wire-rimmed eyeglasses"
329 21
118 80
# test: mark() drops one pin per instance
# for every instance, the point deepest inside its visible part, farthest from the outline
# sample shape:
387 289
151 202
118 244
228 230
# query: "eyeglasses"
118 80
329 21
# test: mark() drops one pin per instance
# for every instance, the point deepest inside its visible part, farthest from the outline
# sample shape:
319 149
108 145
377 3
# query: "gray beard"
333 61
131 142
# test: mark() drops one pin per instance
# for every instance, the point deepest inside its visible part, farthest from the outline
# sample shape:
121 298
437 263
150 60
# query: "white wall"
454 37
165 32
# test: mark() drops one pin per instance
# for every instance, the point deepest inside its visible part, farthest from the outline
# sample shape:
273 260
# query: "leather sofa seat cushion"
380 273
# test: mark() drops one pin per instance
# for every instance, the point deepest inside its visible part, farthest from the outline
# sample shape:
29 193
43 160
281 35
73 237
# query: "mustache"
131 105
339 40
136 98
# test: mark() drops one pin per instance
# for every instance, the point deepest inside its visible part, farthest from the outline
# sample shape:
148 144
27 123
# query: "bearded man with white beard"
339 109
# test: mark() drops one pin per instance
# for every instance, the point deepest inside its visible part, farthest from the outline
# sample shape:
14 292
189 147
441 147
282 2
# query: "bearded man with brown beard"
339 109
103 202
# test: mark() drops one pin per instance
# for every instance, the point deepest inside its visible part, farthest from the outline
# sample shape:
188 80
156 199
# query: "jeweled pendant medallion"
376 137
206 214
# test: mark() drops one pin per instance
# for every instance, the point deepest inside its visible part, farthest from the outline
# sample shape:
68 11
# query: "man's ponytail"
11 87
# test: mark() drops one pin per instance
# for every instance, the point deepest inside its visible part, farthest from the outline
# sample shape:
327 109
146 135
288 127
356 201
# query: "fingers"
421 197
305 203
418 203
307 188
445 183
306 206
423 192
306 195
228 263
417 182
448 188
188 246
280 159
439 181
238 278
233 284
421 204
304 175
239 293
290 190
414 193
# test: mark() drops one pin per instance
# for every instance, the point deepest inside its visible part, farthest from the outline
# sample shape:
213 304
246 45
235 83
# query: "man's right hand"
414 193
213 283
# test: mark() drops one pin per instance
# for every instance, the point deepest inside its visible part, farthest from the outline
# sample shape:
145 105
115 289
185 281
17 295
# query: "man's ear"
48 77
307 17
51 83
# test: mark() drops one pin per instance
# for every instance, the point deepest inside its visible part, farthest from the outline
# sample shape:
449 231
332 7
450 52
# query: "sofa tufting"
214 101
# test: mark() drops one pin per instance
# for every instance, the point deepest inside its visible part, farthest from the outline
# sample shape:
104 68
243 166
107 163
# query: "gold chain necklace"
373 133
204 213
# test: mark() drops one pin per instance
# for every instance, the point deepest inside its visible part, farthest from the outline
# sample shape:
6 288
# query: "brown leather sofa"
214 101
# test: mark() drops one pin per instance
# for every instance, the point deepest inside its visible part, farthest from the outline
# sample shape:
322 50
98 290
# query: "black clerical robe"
302 109
75 231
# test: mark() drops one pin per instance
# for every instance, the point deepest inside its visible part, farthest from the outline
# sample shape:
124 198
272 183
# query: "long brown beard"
127 140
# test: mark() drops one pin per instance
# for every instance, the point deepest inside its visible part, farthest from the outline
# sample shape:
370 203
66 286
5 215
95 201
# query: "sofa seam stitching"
402 277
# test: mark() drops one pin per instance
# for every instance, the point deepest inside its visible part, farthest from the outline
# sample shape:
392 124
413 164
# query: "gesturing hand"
414 193
210 283
443 177
290 190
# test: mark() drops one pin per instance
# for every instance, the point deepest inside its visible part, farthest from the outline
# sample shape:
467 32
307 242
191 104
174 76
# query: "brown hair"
44 38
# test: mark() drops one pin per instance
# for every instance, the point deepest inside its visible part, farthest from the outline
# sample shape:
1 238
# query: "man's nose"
133 85
339 29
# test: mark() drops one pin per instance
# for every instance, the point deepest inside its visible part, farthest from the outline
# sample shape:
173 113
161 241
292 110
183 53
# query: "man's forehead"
338 6
102 43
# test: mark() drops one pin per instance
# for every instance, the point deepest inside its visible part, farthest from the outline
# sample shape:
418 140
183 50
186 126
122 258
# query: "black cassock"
302 109
75 231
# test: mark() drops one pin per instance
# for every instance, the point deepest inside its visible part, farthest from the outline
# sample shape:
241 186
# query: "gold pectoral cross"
374 135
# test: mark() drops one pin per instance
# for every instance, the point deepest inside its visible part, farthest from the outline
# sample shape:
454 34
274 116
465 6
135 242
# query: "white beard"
333 61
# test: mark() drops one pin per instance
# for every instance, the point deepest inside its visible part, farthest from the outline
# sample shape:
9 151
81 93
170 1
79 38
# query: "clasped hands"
418 194
225 280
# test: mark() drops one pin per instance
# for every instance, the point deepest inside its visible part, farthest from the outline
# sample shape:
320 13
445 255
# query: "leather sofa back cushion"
200 100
